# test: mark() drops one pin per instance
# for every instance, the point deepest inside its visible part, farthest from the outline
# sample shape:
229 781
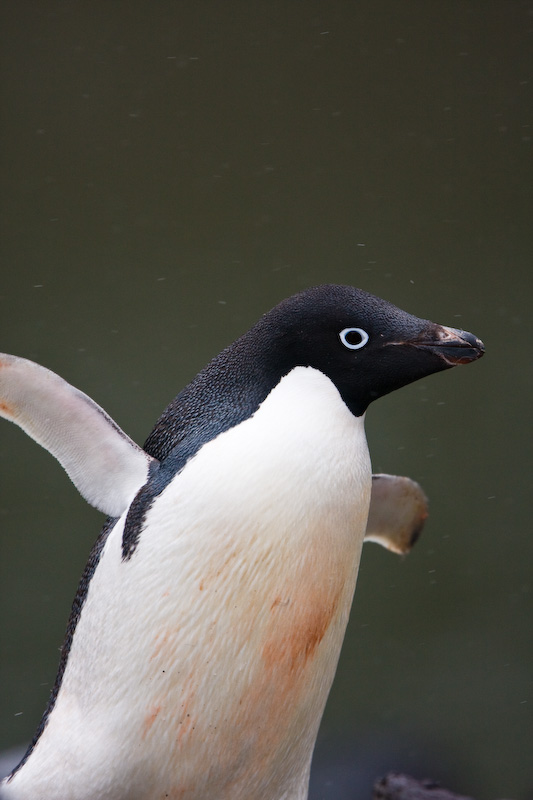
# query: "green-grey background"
170 170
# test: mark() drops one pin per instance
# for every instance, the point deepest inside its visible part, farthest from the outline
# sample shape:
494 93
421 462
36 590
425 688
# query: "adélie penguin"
205 634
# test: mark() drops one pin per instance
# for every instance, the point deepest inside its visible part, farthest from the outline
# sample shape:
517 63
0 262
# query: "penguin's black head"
366 346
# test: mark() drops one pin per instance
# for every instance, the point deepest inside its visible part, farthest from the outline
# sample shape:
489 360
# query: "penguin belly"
201 666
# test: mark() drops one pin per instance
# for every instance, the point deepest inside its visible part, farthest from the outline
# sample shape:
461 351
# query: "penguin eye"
354 338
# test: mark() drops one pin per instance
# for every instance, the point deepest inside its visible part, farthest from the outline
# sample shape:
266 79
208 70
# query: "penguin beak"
452 345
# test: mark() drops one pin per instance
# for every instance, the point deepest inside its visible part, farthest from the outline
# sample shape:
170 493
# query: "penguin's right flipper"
104 464
398 510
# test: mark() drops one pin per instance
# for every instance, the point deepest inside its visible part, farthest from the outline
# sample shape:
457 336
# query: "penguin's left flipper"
398 510
104 464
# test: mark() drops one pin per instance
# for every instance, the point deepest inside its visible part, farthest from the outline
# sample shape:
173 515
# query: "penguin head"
366 346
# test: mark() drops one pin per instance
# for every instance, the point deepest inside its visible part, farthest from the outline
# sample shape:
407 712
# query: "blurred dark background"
171 170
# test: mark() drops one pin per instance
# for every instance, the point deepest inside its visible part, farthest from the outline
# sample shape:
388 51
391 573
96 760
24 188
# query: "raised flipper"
104 464
398 510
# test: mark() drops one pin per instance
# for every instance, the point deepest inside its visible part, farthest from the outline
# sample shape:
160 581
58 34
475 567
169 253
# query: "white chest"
201 667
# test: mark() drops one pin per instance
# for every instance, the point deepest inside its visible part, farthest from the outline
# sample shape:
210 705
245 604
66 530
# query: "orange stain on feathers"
218 569
6 409
285 628
185 726
159 644
297 629
274 706
149 719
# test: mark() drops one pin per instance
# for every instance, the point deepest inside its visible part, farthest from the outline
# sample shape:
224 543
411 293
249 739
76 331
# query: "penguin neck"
225 393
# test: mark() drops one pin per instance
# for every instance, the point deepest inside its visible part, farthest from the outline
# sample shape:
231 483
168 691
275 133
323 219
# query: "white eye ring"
351 345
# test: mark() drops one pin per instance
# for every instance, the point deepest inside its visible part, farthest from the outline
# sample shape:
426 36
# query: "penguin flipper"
104 464
398 510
